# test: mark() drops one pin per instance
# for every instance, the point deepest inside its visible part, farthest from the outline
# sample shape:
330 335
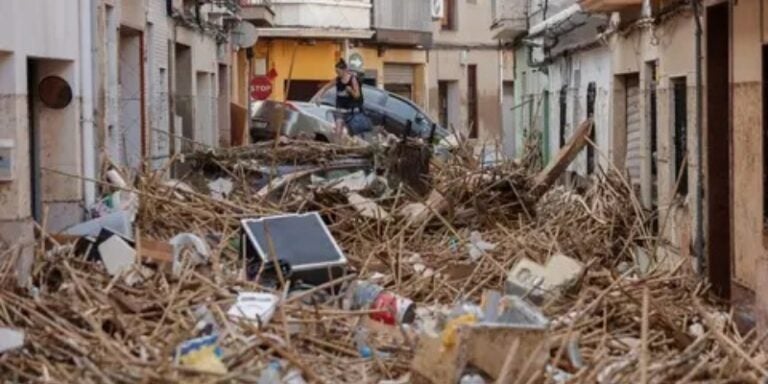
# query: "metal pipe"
699 243
86 100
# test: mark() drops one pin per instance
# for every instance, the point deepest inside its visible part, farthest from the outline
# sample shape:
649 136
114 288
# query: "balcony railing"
403 15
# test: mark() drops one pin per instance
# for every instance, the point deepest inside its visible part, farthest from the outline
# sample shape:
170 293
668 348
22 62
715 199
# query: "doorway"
223 112
652 157
54 143
34 142
680 110
472 118
719 137
184 125
205 132
131 96
508 118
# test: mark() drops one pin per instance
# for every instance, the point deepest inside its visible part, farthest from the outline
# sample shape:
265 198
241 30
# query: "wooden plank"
544 180
155 251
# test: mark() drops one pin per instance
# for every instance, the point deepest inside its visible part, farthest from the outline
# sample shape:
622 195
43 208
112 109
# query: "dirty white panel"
398 74
634 132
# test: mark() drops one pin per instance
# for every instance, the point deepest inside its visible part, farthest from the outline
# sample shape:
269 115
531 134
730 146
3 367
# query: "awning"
315 33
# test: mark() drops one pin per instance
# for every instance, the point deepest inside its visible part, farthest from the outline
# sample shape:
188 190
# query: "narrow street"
383 191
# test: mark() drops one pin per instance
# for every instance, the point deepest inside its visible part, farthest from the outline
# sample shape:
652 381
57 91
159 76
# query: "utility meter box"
7 159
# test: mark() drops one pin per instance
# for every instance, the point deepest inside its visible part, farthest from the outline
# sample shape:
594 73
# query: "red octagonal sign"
261 87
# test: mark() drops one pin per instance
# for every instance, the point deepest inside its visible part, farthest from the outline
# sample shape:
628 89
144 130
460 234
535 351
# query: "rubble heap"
593 313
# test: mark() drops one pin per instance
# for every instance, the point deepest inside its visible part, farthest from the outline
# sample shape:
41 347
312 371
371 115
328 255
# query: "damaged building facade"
632 67
98 82
440 54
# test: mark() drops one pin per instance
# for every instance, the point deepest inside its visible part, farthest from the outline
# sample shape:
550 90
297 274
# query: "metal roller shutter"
634 133
398 74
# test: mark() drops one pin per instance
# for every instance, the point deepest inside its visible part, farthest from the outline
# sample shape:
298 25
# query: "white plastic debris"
10 339
477 247
118 222
255 306
118 256
221 188
696 329
182 241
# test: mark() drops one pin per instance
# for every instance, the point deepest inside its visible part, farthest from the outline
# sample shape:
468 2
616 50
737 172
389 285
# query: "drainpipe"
699 244
86 100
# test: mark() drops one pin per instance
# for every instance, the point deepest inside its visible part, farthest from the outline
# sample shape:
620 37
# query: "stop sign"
261 87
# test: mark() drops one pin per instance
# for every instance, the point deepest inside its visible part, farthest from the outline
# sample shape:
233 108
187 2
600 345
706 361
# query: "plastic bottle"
294 377
361 342
270 374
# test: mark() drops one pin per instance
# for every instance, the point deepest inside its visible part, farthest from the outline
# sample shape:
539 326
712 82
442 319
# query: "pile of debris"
296 262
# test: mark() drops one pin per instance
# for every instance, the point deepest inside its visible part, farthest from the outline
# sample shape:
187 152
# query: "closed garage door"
634 132
398 79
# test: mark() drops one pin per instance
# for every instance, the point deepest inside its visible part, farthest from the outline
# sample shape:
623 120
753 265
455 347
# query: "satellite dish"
245 35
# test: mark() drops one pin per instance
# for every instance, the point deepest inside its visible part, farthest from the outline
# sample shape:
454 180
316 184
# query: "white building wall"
46 31
576 72
158 37
342 14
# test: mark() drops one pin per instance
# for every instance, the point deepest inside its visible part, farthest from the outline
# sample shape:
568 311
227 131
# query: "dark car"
390 111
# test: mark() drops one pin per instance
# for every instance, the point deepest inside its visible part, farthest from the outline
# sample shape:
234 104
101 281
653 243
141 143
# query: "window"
448 22
680 100
401 109
472 101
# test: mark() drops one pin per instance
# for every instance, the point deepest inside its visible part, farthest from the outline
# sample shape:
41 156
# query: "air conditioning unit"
438 9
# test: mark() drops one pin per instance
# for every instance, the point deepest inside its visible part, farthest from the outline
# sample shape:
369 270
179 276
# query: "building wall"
747 142
471 42
158 59
671 46
52 41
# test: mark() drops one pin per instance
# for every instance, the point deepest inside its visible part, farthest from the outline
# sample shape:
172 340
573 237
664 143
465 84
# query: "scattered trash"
221 188
696 329
366 207
203 354
10 339
472 378
270 374
294 376
477 247
530 279
558 375
118 256
119 222
255 306
388 307
200 254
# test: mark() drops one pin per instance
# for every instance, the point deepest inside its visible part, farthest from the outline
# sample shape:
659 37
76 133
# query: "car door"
399 112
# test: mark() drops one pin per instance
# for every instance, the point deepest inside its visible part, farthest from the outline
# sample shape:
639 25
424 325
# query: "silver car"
300 120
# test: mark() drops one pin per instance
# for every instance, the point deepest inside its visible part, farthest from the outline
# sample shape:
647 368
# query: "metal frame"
303 267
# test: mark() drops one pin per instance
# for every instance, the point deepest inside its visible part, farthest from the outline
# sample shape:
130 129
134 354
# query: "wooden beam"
544 180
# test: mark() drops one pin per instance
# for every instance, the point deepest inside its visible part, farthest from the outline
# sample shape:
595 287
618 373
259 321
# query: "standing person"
349 102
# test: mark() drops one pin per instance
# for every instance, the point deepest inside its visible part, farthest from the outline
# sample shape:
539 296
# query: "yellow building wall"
310 62
316 62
